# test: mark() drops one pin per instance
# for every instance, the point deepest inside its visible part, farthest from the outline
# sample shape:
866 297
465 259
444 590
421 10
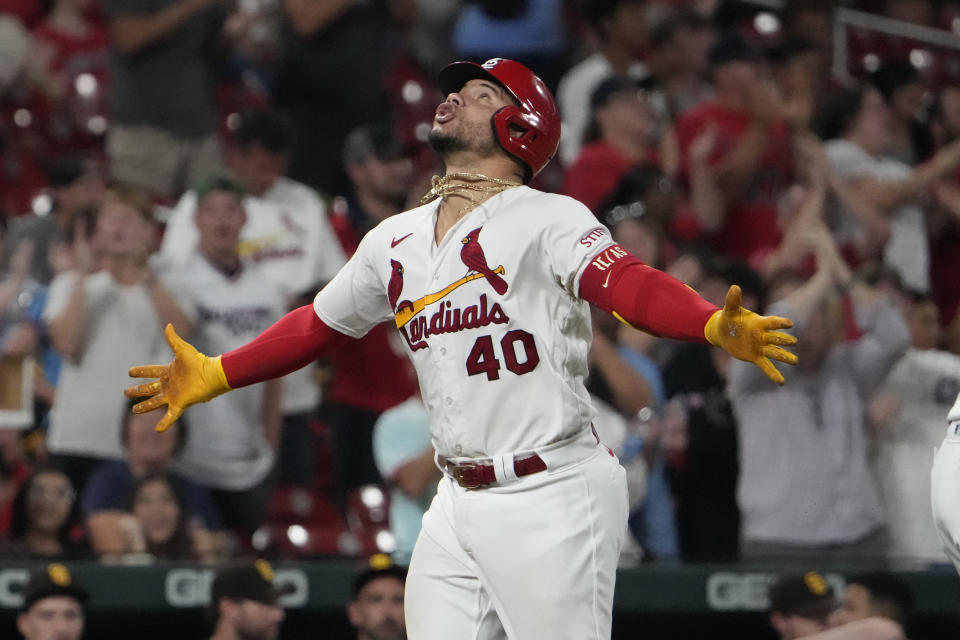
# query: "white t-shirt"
907 251
227 446
121 329
288 236
499 372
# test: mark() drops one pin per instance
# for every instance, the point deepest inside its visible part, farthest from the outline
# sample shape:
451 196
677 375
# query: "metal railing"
844 18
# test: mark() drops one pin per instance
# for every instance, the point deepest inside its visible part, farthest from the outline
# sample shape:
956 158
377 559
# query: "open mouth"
445 113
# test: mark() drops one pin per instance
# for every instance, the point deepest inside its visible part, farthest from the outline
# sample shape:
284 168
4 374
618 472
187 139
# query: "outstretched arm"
298 338
654 301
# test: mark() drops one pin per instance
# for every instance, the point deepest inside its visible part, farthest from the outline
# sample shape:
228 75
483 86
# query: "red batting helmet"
536 119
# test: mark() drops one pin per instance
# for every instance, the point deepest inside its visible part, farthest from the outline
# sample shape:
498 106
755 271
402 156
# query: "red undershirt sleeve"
645 297
294 341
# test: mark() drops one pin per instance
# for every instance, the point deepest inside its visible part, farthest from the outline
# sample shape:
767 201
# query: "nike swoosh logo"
607 280
397 241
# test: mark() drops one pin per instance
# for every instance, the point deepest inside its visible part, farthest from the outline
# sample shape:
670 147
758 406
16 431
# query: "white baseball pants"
529 559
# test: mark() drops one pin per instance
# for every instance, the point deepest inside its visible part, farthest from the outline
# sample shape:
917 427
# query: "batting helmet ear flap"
519 133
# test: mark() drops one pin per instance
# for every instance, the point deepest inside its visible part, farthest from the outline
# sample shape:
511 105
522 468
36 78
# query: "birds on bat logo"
472 255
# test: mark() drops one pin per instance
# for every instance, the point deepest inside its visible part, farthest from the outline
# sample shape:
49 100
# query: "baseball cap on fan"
379 566
806 595
247 580
49 581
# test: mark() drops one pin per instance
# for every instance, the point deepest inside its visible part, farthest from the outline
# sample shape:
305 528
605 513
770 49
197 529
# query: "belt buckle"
457 472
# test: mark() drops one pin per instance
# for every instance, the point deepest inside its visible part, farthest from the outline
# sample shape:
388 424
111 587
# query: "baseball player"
488 285
944 479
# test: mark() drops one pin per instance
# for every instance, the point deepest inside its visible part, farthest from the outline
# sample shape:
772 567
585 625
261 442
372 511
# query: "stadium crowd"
210 164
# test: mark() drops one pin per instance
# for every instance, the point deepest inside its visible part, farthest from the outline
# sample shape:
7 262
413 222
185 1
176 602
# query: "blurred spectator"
21 331
811 21
287 232
69 71
372 374
376 608
75 188
104 314
330 80
42 519
288 236
532 32
902 88
231 303
800 605
750 153
705 477
52 606
907 416
877 594
244 602
678 59
797 66
405 459
155 524
620 29
163 135
856 122
105 497
805 487
621 134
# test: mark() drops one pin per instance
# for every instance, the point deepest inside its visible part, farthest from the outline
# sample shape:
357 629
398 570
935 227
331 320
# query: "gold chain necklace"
467 184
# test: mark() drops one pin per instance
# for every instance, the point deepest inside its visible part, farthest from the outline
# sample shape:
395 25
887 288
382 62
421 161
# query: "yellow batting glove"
751 337
192 377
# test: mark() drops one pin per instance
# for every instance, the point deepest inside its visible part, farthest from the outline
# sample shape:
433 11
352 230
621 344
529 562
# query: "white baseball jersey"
490 317
945 487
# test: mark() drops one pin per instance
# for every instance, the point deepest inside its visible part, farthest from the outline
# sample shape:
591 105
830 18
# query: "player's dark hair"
839 112
890 595
271 130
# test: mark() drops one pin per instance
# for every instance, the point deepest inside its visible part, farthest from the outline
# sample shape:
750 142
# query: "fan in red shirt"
752 152
620 136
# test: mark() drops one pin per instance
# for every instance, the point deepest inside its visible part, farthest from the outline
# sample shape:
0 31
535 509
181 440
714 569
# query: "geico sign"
729 591
191 587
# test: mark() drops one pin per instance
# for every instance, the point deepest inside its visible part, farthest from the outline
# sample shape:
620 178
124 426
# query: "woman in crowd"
42 517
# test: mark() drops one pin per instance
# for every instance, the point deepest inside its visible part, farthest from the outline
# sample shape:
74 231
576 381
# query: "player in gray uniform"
488 284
